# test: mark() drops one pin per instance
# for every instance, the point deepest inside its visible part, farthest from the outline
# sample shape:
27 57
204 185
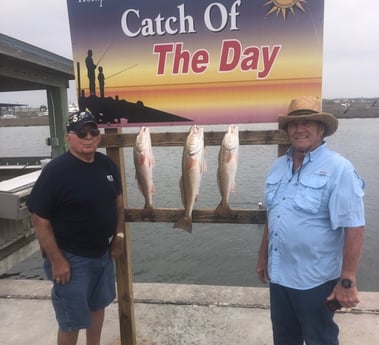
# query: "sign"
183 62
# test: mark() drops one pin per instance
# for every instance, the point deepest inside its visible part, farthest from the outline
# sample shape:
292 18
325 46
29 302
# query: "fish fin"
229 157
222 210
191 163
142 159
151 161
204 167
184 223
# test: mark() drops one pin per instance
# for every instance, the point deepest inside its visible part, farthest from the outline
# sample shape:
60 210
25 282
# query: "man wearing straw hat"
313 237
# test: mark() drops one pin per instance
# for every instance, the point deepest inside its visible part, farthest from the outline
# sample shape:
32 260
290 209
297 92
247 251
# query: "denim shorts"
91 288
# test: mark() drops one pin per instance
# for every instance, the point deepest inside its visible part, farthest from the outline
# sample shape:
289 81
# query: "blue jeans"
301 315
91 288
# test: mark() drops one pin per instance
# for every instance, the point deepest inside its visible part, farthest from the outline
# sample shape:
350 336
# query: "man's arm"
352 252
117 244
261 268
44 233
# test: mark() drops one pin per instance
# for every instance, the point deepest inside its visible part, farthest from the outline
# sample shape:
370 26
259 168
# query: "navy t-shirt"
79 199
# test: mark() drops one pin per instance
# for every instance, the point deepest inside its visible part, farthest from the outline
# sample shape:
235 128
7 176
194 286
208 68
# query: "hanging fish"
227 169
193 166
144 163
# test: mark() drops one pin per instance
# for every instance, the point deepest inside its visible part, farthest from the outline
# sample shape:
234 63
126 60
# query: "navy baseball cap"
77 120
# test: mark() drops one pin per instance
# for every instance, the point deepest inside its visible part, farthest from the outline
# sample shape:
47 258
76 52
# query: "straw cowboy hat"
308 108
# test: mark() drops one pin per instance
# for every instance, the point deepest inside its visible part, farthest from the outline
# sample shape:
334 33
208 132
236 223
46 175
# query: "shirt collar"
310 156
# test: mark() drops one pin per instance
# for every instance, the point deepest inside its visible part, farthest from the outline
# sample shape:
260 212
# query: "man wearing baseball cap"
313 237
78 215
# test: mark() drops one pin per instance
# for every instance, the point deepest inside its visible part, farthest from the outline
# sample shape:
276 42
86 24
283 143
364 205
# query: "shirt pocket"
272 186
310 192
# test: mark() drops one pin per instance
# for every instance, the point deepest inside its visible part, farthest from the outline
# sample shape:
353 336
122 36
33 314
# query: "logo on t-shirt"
110 178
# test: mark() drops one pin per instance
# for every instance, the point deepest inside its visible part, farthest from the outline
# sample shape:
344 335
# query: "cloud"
43 23
351 52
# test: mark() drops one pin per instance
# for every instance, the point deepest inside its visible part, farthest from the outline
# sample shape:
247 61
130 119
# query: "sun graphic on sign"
283 6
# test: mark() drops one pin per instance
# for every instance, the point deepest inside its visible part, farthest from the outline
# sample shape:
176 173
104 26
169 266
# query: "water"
219 254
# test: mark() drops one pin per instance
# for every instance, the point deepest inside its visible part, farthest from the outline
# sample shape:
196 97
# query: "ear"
322 129
67 139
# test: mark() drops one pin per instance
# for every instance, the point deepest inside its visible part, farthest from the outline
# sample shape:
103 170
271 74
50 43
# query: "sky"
350 53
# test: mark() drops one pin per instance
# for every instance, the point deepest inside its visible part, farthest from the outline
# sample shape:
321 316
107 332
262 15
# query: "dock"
173 314
17 238
11 167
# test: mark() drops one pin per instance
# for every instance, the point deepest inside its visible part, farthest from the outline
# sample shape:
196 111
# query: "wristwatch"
120 235
346 283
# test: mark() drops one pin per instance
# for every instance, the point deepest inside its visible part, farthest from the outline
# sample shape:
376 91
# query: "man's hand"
348 298
117 247
61 269
261 269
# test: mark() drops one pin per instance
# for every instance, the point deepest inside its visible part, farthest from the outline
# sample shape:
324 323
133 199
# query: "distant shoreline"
25 121
352 111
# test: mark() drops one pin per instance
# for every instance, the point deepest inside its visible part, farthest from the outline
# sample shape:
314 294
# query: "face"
305 136
84 143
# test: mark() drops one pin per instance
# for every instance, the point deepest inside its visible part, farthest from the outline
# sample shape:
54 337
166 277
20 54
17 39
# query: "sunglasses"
82 133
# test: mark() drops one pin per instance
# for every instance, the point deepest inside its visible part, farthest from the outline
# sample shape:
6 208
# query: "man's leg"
67 338
285 325
316 320
102 294
94 332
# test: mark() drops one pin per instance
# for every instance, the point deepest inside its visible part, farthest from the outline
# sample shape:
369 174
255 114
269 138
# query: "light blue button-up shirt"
307 212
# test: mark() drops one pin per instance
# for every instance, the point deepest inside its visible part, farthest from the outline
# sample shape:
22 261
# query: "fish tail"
147 212
184 223
222 210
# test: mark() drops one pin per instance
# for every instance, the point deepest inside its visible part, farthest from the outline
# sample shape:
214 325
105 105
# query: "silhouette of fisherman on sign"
101 78
91 67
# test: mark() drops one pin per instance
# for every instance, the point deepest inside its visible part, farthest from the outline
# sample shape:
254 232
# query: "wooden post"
282 148
124 272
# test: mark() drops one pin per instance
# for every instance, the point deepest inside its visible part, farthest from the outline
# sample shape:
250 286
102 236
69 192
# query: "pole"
124 263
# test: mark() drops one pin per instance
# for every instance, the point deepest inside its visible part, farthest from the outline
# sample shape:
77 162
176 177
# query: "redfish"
144 163
193 166
227 168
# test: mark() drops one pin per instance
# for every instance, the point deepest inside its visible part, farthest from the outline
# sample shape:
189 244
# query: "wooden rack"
113 140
